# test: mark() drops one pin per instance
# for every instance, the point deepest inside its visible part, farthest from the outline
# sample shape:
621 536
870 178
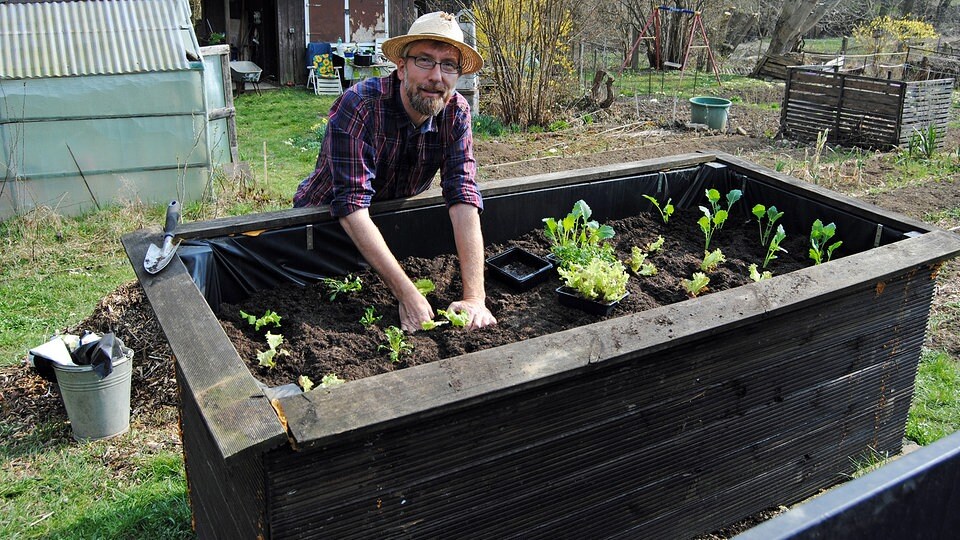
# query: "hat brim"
470 59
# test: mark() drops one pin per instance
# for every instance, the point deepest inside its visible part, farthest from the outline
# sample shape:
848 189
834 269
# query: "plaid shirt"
373 152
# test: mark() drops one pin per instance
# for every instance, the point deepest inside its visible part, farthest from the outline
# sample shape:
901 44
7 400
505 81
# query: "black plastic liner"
229 269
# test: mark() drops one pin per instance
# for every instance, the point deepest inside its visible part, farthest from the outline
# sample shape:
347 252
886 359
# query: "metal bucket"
97 408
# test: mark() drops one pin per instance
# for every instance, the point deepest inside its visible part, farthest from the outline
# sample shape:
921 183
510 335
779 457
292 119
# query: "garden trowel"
158 257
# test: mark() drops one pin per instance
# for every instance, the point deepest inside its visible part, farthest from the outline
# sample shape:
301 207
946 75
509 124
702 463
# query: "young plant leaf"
425 286
330 380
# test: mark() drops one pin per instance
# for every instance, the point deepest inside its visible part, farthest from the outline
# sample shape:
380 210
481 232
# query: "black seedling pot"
519 268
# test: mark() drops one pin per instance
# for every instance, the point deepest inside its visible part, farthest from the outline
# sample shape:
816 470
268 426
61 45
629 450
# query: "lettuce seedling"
638 264
711 260
396 345
820 234
695 285
775 246
305 383
425 286
432 324
577 239
655 245
268 358
458 319
330 380
666 211
772 215
597 279
346 285
755 275
269 317
370 317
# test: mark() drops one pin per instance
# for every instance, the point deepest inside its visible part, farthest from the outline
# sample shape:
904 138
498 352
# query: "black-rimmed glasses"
427 63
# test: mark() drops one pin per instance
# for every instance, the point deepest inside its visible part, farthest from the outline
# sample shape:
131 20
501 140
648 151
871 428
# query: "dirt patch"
325 336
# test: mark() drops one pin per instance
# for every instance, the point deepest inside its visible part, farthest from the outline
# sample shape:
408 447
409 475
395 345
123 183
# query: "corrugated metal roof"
62 39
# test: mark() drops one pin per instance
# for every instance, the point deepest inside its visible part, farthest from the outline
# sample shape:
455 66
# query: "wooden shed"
274 33
862 111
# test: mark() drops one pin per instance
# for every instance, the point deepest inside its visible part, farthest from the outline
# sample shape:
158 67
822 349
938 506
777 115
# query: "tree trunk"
796 19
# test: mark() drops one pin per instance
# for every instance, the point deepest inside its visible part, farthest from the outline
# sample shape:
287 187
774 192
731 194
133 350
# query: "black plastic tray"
519 268
568 297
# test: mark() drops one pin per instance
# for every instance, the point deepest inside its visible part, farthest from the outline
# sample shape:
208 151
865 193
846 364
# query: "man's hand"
477 310
414 309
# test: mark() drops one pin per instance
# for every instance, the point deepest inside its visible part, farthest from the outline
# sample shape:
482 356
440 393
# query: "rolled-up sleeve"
352 158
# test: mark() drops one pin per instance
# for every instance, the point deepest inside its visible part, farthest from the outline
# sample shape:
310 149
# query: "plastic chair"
319 83
324 84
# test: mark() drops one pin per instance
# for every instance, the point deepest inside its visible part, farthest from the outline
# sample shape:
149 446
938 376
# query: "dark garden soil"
324 336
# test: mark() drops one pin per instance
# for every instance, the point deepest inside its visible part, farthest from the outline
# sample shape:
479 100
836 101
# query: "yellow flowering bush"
887 33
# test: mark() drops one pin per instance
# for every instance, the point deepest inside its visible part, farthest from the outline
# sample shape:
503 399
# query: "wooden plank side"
853 206
238 415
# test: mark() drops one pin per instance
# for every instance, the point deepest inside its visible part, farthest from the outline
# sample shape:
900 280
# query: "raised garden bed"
669 422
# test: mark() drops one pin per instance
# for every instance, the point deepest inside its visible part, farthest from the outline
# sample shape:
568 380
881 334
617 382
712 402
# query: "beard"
430 106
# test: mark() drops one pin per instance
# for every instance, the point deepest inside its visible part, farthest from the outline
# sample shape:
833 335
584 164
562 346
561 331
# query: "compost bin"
666 423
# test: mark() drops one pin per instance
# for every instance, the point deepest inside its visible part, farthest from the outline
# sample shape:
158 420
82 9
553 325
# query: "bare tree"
527 45
796 19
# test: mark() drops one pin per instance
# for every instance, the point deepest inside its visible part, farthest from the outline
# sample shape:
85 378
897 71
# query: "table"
354 73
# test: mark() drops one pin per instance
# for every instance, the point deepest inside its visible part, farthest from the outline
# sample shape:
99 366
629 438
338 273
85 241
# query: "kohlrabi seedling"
771 215
820 234
576 238
775 245
665 211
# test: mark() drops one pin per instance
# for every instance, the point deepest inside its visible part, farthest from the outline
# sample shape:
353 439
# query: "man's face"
426 91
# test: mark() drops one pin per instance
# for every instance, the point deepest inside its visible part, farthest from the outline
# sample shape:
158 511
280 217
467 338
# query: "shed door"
368 20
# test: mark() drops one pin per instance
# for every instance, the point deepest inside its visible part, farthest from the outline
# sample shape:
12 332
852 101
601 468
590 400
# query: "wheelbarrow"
243 72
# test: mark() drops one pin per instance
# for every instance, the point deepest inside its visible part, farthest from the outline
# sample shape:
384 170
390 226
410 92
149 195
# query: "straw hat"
436 26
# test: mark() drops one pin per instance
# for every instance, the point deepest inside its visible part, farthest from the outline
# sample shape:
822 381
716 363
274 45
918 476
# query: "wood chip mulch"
27 400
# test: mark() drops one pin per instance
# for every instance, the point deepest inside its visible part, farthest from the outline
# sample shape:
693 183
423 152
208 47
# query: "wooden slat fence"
861 111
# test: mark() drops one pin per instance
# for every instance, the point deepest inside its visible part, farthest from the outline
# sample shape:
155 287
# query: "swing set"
696 29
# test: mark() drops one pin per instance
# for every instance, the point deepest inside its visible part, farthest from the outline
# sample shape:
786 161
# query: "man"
387 138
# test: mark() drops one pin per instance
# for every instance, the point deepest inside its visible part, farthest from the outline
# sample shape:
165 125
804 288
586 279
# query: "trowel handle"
173 218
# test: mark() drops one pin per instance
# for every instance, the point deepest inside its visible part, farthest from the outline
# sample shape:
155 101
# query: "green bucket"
711 111
97 408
